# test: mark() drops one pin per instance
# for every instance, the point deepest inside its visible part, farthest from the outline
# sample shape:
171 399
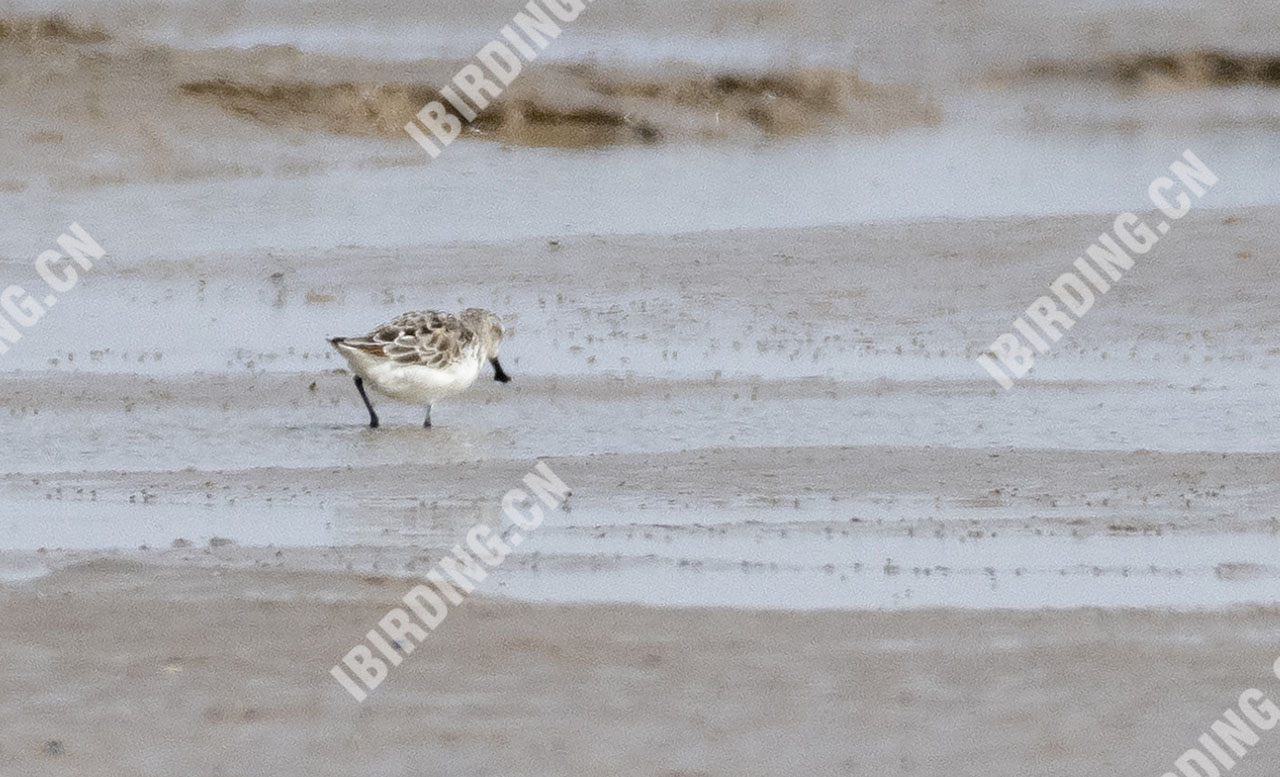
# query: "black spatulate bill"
499 374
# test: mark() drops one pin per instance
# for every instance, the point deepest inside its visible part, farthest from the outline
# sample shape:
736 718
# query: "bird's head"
488 327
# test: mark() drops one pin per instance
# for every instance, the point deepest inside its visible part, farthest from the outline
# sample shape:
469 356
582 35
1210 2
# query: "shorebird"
424 356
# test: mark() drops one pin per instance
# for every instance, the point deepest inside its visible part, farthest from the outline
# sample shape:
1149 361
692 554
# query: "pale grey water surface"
481 191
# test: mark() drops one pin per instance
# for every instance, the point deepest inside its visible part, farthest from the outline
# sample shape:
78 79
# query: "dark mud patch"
580 106
36 30
1155 71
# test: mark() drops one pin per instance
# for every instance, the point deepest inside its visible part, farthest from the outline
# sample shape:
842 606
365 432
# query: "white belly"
414 383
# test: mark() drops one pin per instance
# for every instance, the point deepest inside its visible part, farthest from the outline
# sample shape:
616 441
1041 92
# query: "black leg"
373 417
427 423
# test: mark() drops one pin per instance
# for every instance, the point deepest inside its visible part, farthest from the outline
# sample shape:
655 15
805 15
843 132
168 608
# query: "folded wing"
428 338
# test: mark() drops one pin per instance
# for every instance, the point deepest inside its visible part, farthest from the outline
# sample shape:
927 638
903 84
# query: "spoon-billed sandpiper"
424 356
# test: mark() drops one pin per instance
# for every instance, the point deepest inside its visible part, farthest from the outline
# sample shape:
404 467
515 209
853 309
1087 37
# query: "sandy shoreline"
136 670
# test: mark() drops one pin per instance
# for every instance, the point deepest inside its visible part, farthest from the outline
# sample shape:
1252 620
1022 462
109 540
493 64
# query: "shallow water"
903 41
811 570
156 437
484 192
746 557
902 382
